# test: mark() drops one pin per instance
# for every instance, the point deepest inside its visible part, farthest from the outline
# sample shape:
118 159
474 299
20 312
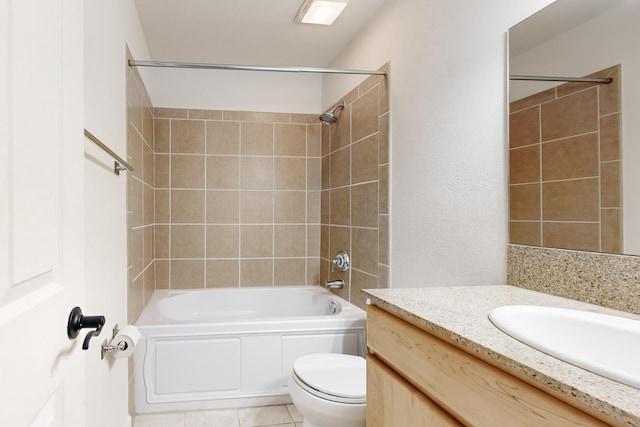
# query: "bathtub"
229 348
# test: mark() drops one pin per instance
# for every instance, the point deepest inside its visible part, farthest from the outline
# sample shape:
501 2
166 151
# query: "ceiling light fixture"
322 12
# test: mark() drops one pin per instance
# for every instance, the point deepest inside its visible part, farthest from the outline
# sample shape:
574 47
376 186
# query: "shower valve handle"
341 260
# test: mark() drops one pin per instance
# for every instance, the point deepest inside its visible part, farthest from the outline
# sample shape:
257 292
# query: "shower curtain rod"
605 80
165 64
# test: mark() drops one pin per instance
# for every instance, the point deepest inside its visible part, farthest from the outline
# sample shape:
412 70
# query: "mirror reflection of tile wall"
565 167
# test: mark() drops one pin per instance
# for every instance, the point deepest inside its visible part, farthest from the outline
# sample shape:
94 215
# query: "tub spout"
334 284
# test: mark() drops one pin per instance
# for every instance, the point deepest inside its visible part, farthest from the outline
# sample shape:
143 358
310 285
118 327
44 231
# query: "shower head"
330 117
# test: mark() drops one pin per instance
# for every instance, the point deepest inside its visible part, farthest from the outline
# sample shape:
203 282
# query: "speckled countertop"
461 315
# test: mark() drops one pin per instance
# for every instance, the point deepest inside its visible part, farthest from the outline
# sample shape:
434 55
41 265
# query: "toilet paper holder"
108 348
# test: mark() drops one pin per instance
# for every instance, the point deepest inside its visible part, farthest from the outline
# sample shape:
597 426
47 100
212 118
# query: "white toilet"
329 390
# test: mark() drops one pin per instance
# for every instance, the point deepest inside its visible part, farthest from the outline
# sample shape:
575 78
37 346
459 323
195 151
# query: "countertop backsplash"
608 280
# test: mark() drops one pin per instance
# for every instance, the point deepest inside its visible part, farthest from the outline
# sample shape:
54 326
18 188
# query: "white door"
41 212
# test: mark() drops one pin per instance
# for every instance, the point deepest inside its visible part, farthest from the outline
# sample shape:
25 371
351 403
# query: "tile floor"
272 416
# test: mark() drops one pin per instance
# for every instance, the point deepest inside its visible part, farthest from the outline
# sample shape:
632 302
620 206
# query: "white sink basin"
605 345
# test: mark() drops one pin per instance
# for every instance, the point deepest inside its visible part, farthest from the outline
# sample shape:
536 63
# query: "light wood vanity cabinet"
409 369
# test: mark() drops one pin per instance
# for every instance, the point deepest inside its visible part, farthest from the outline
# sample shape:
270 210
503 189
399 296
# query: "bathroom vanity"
435 359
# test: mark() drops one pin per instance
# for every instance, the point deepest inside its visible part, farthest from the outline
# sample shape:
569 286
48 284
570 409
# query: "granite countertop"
461 315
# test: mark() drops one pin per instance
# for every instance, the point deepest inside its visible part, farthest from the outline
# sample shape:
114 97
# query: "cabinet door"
392 402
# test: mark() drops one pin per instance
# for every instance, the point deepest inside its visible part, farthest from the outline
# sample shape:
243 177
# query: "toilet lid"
340 375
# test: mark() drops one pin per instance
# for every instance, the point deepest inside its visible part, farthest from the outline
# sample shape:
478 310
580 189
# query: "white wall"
448 132
233 90
597 44
108 26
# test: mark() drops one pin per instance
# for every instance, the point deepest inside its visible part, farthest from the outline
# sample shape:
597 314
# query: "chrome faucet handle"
334 284
341 260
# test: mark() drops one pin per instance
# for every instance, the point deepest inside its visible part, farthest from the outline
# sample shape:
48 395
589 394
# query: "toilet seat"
335 377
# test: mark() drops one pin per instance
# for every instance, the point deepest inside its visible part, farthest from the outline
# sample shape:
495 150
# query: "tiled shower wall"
565 167
237 198
355 190
140 204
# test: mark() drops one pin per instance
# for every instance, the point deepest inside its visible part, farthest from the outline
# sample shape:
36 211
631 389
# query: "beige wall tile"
364 115
313 240
572 115
364 249
325 206
576 200
524 164
162 206
290 207
567 235
187 136
290 139
256 241
187 171
136 251
383 239
524 202
314 174
289 272
340 132
326 139
223 172
161 174
383 276
314 140
134 151
383 188
525 233
304 118
256 173
256 207
223 206
313 207
360 281
325 231
611 230
223 241
313 271
340 212
187 274
610 95
223 138
187 206
256 139
383 139
248 116
290 240
148 167
171 113
570 158
325 180
162 274
524 127
610 184
339 240
148 243
290 173
272 117
162 241
222 273
364 204
364 160
187 241
135 299
161 135
205 114
340 168
610 137
256 272
134 202
148 282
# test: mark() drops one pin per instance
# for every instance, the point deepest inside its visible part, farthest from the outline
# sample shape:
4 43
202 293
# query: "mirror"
574 148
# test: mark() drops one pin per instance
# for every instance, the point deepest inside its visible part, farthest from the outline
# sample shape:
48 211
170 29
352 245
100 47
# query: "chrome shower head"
330 117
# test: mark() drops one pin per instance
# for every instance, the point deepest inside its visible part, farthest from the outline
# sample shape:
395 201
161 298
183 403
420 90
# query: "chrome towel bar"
119 164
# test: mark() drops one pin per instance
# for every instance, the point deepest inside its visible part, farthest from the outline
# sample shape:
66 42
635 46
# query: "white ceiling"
248 32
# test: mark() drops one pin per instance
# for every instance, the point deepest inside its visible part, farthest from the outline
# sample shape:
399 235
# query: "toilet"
329 389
